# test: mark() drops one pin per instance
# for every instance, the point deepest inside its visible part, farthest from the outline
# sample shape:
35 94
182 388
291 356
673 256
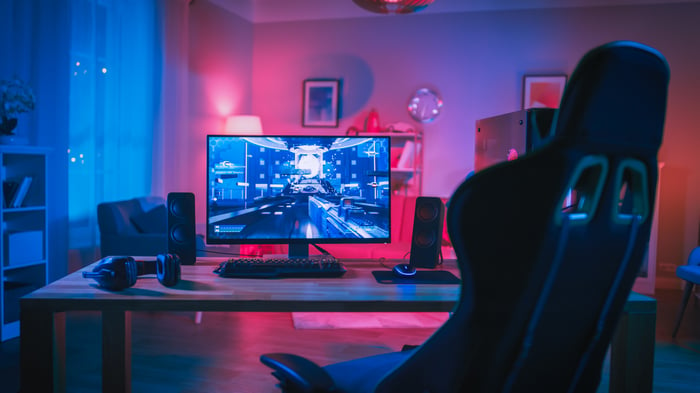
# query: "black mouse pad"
421 277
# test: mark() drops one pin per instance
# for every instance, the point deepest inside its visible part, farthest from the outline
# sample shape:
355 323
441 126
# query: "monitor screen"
298 189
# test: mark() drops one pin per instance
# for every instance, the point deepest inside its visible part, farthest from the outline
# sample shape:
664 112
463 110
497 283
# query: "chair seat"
689 273
363 375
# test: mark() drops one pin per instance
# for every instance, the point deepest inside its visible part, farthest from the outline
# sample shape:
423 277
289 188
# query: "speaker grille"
424 239
426 212
179 233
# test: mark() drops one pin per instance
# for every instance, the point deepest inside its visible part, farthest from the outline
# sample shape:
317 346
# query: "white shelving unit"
23 233
407 171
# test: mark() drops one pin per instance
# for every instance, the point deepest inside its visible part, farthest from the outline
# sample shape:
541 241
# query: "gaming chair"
548 248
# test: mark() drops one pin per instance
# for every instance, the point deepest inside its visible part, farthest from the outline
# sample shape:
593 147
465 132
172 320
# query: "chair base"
684 302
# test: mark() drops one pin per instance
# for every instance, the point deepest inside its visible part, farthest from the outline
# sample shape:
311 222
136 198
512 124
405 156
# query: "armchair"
136 226
544 281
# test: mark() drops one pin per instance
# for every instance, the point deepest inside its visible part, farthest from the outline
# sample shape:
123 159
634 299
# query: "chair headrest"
616 98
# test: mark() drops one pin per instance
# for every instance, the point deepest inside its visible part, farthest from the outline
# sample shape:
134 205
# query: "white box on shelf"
407 156
22 248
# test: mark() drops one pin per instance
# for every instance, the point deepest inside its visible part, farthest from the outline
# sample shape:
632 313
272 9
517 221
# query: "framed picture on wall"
321 100
543 91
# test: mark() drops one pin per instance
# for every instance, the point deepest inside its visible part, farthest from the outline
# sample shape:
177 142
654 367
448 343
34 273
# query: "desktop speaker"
427 232
181 227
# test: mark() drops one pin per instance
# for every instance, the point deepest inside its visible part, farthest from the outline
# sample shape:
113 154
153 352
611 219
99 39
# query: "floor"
221 354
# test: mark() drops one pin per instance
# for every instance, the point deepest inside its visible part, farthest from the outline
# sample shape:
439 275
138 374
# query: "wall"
476 61
220 65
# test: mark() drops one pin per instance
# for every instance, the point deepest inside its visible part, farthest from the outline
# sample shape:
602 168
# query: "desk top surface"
200 289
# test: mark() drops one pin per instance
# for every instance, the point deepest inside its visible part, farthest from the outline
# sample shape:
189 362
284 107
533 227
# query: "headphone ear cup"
114 273
168 269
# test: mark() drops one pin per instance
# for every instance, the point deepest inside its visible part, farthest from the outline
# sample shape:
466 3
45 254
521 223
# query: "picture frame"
543 91
321 103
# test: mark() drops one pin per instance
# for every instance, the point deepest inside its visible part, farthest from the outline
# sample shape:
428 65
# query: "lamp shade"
243 124
393 6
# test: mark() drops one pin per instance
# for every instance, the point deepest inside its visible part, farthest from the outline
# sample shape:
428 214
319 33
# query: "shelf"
9 268
23 209
402 171
407 162
394 135
14 285
404 135
401 174
17 243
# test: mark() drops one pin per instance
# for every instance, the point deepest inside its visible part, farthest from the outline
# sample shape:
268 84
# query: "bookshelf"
23 233
406 161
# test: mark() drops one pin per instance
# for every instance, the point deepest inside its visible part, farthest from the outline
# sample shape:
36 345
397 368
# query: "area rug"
364 320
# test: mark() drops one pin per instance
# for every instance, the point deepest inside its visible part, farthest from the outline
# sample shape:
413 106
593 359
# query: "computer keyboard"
322 267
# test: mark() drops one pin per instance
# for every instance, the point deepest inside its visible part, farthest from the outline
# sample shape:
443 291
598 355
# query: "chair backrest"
694 257
549 245
115 217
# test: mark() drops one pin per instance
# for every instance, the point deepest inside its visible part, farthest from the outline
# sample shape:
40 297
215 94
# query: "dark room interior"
331 128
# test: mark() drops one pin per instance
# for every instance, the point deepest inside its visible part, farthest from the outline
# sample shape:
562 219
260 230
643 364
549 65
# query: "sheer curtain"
126 73
34 42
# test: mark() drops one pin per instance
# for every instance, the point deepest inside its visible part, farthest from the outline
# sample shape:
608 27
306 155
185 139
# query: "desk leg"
116 351
632 353
42 350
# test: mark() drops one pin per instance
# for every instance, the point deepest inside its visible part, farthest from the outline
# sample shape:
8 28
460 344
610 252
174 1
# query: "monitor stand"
295 250
298 250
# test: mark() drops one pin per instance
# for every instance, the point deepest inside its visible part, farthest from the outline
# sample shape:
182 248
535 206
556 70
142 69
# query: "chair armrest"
297 374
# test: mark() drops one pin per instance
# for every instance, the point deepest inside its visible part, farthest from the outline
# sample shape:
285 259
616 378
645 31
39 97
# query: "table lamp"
243 124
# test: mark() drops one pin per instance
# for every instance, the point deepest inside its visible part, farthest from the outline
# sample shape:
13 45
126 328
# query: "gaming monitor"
298 190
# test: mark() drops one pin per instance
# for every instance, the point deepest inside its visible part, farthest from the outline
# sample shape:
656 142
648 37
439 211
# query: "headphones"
120 272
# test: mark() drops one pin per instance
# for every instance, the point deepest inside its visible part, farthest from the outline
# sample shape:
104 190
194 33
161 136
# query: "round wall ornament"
425 105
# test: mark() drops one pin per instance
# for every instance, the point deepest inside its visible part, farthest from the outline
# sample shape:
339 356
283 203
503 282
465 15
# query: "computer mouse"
404 270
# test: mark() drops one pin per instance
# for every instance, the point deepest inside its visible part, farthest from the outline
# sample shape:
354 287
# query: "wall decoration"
543 91
321 101
424 106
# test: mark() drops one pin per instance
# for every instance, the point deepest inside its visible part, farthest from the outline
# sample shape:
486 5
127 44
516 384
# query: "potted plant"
16 97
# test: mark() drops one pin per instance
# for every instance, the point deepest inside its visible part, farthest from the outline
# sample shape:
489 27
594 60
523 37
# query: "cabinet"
23 233
406 162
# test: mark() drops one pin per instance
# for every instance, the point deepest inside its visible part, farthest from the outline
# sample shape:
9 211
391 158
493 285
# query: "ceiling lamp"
393 6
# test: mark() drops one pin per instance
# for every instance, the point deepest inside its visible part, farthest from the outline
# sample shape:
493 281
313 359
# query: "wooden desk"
42 326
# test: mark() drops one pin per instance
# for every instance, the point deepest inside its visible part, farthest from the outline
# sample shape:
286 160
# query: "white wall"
220 66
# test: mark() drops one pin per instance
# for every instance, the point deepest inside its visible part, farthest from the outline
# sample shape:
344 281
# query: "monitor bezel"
295 241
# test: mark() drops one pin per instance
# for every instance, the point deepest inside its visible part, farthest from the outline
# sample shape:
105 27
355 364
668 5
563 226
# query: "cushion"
689 273
149 202
152 221
115 217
